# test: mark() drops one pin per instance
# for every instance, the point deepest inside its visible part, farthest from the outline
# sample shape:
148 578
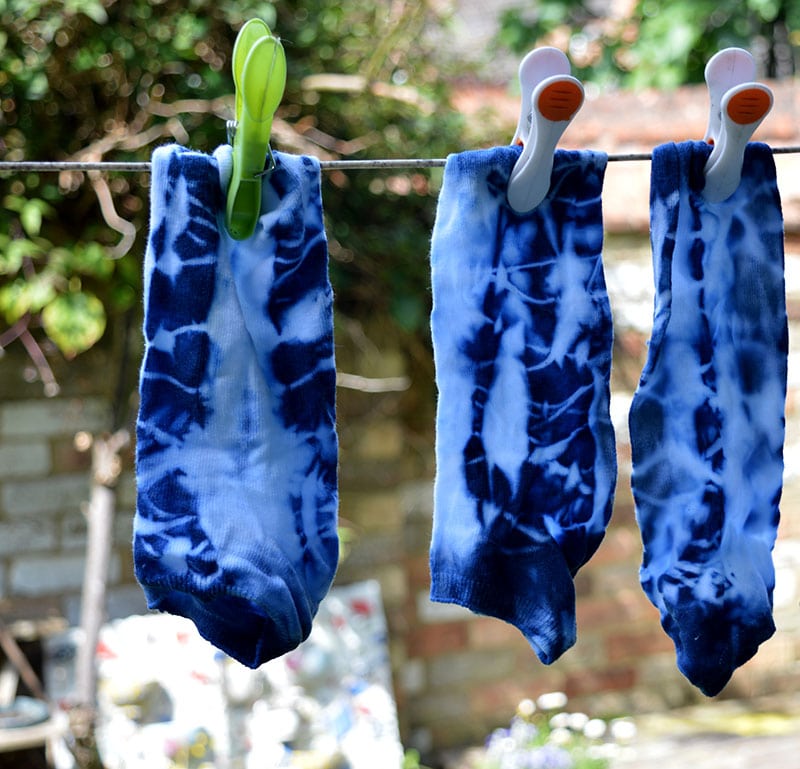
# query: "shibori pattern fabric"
707 420
235 525
522 337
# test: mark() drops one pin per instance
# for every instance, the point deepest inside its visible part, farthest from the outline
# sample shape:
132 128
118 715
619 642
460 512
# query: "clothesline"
45 166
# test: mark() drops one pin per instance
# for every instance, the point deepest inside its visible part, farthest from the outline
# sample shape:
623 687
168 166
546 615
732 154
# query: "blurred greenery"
661 43
112 79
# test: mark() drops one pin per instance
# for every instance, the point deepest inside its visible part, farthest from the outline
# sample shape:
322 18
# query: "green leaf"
19 248
38 86
31 212
91 8
26 296
31 218
83 258
13 203
408 311
11 255
74 322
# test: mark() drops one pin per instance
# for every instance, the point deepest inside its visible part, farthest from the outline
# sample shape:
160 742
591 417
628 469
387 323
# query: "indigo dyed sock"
236 446
707 420
522 336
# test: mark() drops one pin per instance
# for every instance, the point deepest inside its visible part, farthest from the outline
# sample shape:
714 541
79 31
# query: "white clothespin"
738 105
550 99
725 70
537 65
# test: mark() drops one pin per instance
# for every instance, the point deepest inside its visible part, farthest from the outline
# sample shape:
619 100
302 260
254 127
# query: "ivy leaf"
16 250
31 212
25 296
91 8
31 218
93 259
74 322
83 258
11 254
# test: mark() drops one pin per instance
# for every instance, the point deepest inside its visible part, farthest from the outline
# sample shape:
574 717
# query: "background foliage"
661 43
111 79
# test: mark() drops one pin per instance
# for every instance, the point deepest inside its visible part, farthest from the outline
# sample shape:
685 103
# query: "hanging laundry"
522 336
707 420
236 456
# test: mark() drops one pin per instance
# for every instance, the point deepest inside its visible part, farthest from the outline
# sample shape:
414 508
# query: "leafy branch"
659 43
102 79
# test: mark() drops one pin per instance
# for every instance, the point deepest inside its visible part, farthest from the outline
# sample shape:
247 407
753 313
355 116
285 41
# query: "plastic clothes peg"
737 107
725 70
743 108
554 102
259 74
250 33
537 65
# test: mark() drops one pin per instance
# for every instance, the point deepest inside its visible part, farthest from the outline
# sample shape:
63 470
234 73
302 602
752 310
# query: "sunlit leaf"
31 211
83 258
31 218
92 8
25 296
19 248
74 321
11 255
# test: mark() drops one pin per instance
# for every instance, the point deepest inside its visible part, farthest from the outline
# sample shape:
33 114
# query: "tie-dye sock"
236 446
707 420
521 324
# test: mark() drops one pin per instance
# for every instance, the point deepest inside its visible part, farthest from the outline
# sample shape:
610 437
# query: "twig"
18 659
371 384
51 386
111 217
15 332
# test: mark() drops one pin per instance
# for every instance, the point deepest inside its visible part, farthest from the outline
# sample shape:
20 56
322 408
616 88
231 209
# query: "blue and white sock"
236 447
707 420
522 336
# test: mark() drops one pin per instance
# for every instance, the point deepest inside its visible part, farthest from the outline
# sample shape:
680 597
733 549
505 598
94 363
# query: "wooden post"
106 466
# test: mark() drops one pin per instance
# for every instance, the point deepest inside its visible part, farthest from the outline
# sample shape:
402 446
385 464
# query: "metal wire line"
378 164
46 166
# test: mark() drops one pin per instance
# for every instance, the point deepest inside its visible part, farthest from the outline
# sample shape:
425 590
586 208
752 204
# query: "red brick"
67 459
419 572
625 646
594 681
489 633
627 606
620 544
624 510
434 640
596 612
502 697
584 583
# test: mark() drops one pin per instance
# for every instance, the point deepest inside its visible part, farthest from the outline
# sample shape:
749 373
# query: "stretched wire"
378 164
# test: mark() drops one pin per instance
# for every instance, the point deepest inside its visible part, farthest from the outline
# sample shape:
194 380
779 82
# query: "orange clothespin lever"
551 97
259 75
738 105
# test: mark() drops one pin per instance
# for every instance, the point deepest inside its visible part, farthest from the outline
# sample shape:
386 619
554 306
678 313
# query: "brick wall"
457 676
44 488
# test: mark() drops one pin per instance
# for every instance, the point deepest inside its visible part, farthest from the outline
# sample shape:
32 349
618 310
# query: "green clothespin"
259 76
